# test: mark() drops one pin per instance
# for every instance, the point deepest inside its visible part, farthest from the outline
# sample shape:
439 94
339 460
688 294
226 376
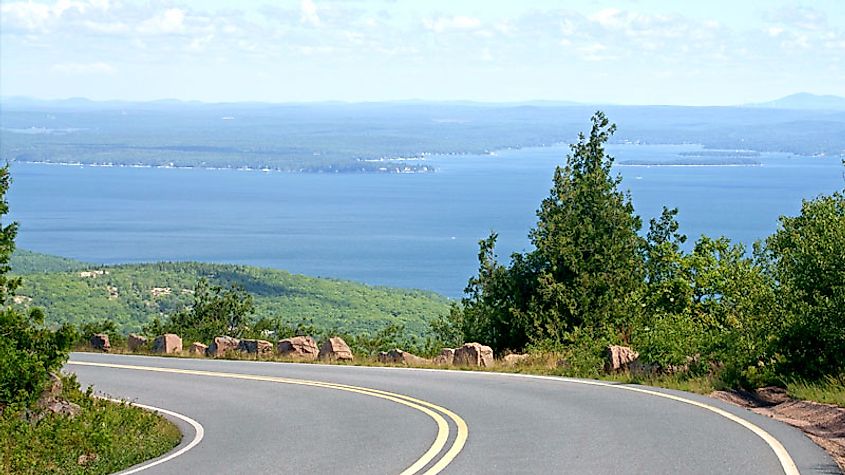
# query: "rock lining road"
516 424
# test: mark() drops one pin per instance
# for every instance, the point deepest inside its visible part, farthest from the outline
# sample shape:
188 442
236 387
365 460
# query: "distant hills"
805 101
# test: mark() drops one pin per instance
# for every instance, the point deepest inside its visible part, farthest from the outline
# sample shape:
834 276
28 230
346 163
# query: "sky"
712 52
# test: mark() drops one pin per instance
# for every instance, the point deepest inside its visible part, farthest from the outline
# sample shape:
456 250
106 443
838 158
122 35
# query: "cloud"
25 15
112 28
595 52
33 17
441 24
80 69
308 10
64 35
774 31
171 20
803 18
608 17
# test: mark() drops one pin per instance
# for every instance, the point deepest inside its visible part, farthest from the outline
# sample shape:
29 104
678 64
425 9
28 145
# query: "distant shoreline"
382 170
658 165
399 163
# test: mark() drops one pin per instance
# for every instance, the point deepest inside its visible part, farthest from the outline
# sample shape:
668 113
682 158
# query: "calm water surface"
400 230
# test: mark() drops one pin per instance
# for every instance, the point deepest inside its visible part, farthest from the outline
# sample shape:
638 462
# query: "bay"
401 230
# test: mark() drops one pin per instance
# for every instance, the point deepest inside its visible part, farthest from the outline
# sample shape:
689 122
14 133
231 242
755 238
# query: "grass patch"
111 436
830 390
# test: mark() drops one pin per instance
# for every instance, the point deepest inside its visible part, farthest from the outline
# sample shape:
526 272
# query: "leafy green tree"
29 352
807 260
216 311
709 304
493 299
667 287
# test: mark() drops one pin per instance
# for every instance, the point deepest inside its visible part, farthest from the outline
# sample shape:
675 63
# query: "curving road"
274 417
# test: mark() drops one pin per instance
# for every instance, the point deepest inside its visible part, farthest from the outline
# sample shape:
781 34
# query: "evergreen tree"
587 252
584 272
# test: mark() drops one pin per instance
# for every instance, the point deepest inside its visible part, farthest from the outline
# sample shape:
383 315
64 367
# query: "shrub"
28 354
807 256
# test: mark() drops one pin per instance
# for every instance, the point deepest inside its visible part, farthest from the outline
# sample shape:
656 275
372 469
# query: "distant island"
378 137
692 162
720 153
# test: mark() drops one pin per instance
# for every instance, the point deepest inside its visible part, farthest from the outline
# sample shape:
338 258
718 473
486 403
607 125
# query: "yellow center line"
460 439
418 404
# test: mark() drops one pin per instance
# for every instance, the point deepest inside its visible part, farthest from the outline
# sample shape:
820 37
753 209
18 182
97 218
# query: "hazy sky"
695 52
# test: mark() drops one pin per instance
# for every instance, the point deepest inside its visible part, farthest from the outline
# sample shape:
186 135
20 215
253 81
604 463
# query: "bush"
112 436
86 330
216 311
28 354
807 256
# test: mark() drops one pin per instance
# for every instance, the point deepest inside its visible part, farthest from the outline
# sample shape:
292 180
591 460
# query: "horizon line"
551 102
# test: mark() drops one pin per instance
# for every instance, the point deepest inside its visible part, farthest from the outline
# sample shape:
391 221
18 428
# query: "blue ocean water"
415 230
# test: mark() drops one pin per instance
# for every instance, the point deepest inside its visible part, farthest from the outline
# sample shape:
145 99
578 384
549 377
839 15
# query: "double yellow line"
434 411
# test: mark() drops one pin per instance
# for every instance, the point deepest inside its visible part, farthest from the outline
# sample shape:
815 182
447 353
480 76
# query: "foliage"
8 283
117 434
28 351
133 296
712 311
28 354
807 260
829 389
389 337
666 290
446 331
88 329
492 309
587 248
216 311
584 269
25 262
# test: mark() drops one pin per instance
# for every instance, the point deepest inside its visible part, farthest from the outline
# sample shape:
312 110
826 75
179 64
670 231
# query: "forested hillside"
132 295
25 262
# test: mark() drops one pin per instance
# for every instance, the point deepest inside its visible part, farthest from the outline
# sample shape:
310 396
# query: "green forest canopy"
133 295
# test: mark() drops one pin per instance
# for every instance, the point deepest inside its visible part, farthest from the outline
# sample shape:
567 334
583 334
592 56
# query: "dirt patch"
823 423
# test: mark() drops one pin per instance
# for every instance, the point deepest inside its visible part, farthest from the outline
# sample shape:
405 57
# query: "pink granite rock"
302 347
474 354
335 349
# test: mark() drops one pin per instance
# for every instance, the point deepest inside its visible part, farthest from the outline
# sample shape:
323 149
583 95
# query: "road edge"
199 434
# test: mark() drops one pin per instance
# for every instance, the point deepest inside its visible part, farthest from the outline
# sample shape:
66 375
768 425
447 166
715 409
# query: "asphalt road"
274 417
